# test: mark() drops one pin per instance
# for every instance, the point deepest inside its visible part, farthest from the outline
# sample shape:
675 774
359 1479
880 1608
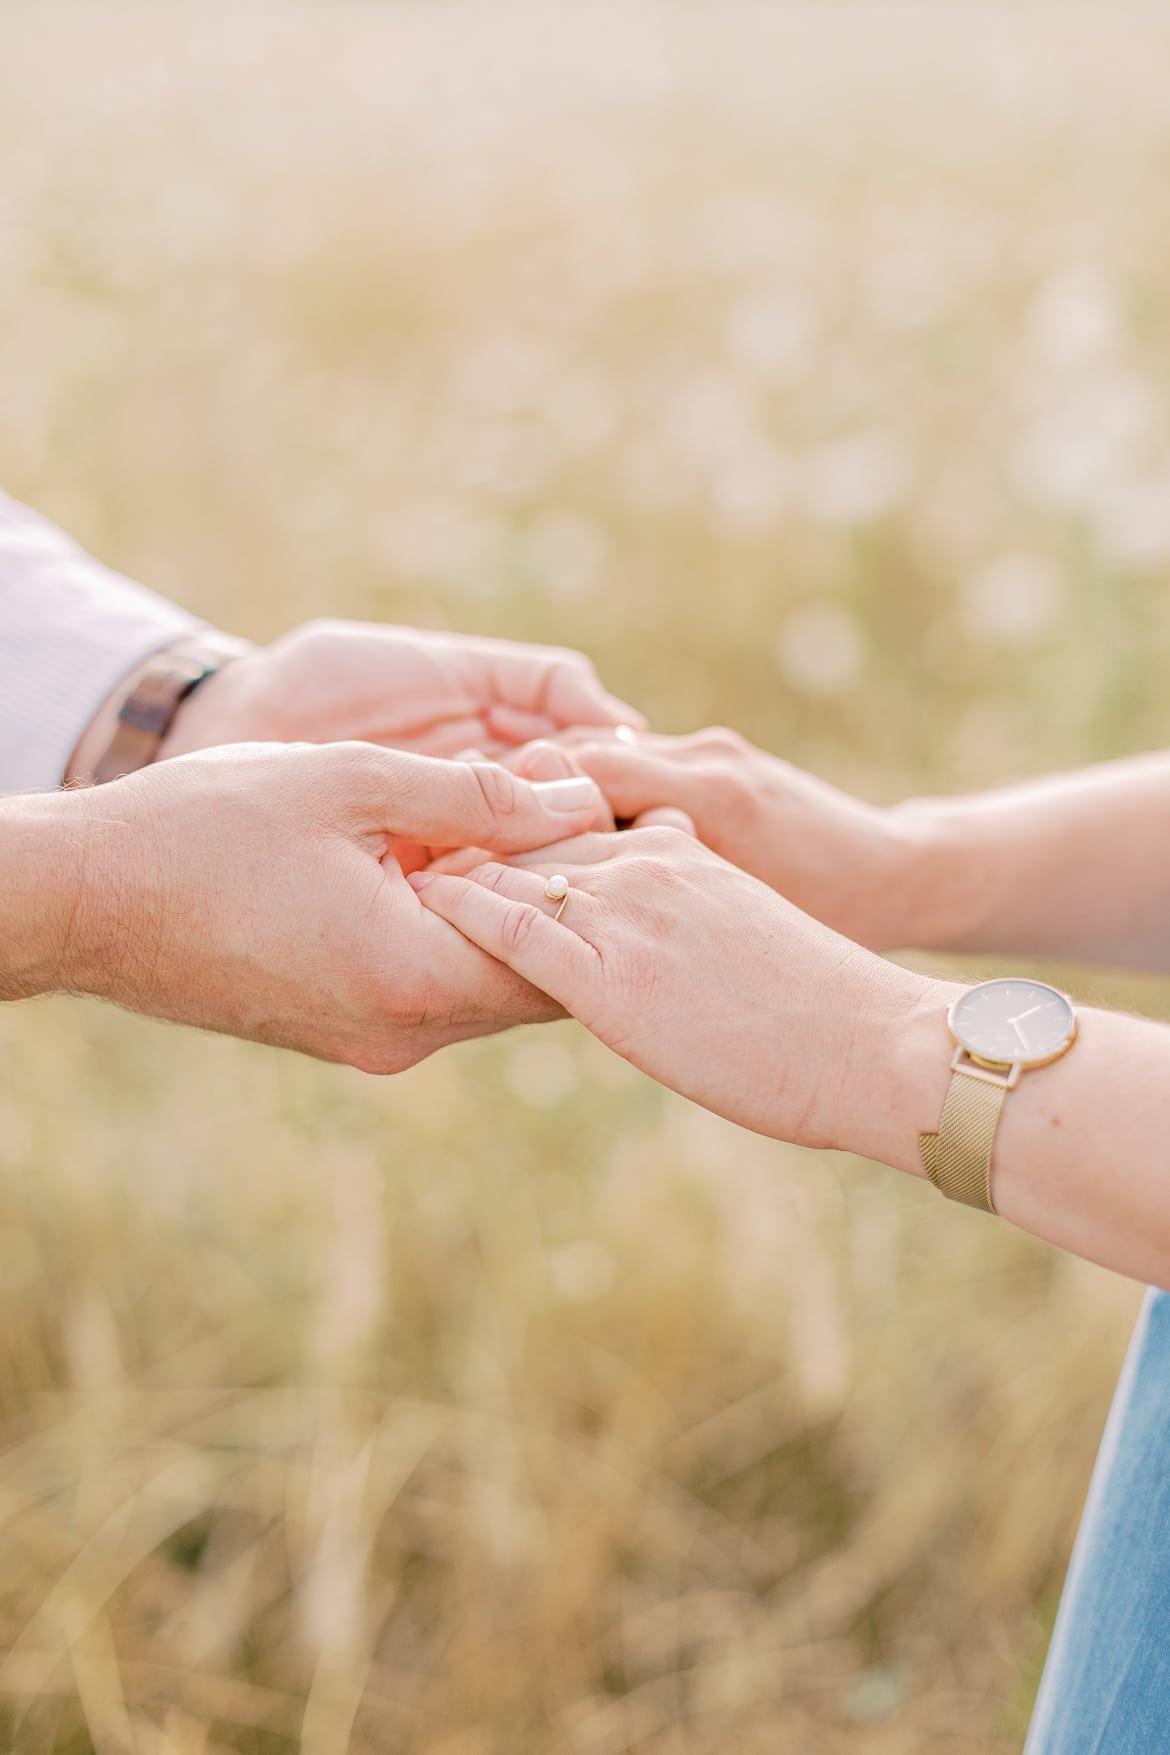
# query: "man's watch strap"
958 1157
149 710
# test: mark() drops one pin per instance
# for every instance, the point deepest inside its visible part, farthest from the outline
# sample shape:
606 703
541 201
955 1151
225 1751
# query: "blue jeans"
1106 1685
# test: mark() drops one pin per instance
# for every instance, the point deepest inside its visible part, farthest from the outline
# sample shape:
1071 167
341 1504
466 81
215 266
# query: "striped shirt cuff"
70 630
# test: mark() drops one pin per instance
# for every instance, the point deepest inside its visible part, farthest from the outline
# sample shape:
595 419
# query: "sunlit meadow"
809 367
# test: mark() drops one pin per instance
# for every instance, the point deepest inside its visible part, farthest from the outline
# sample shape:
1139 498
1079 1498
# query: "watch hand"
1015 1026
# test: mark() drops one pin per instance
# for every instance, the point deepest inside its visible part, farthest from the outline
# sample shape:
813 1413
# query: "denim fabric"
1106 1686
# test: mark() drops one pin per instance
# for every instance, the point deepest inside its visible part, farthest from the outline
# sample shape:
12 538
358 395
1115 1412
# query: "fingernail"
625 734
418 880
567 795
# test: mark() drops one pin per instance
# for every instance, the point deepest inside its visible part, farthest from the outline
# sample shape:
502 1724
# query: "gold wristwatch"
1001 1029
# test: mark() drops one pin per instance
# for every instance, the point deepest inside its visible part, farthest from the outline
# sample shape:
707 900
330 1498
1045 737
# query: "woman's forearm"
1082 1152
1073 866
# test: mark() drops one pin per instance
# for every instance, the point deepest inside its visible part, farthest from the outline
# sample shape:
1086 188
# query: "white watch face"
1013 1022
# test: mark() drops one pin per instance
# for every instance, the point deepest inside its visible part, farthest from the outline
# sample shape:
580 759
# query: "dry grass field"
809 367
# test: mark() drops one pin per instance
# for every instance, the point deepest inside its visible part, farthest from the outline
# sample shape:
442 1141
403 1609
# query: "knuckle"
664 847
492 877
720 740
571 656
497 789
518 925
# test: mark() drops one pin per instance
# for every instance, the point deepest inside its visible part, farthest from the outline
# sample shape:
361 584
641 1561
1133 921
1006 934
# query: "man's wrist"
99 734
43 857
224 709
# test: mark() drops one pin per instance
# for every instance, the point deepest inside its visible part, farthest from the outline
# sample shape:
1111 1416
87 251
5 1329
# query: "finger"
520 885
543 760
459 861
474 994
579 850
666 816
635 780
515 725
463 804
442 739
477 755
547 953
560 684
624 736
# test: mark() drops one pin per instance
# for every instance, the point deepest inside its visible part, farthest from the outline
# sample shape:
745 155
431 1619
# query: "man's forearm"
1071 866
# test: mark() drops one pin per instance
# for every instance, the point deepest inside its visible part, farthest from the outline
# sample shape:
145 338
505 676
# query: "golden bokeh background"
808 366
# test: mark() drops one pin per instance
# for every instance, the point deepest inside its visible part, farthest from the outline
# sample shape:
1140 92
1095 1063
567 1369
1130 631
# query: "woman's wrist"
942 867
898 1068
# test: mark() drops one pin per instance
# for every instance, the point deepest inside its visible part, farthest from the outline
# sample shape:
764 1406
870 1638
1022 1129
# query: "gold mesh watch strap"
958 1157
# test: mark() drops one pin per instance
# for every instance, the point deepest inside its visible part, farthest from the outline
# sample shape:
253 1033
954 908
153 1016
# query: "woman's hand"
865 871
709 981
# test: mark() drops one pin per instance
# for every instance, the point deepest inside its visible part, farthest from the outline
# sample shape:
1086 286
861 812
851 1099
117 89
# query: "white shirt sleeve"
69 631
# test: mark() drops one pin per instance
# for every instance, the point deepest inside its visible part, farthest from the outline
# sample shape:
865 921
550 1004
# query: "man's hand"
254 890
436 693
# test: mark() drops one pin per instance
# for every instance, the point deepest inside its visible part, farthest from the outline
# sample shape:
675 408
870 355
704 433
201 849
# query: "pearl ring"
557 890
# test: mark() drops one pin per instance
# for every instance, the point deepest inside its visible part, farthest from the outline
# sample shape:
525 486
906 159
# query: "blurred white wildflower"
752 493
437 540
819 649
1074 318
612 253
908 287
513 459
1132 521
737 229
993 736
541 1073
582 409
565 552
652 479
1015 599
875 1693
1078 450
770 334
710 419
582 1270
503 374
855 480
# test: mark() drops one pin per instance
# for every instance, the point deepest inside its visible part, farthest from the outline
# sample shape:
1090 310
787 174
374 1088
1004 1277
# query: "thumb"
478 804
